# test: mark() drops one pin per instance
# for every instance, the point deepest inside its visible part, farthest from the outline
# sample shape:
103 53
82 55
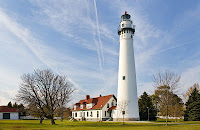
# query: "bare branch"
45 90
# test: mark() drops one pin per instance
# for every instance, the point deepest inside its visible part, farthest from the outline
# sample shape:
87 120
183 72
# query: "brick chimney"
87 97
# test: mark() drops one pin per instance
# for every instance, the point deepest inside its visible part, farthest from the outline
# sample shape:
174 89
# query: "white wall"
112 99
90 105
1 115
80 114
13 115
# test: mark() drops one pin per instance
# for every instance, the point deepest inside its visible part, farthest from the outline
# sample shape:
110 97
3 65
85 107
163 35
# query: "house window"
97 113
87 114
105 113
75 114
127 31
112 104
83 114
122 25
123 77
91 114
72 114
6 115
131 36
124 31
107 105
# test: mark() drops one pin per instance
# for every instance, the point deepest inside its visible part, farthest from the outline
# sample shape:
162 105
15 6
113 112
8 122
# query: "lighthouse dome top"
125 17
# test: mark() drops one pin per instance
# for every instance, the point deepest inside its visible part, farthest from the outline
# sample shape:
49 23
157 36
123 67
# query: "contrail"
97 45
95 6
173 47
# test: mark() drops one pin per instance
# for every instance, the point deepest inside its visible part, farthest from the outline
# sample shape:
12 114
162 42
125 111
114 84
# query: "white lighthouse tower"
127 100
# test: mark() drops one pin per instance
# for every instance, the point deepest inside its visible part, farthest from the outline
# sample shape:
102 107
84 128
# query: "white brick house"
98 108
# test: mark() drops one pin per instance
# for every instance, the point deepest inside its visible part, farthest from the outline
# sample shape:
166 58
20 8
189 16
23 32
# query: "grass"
85 125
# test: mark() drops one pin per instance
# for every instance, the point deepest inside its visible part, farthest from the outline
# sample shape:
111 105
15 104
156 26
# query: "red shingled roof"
99 102
6 109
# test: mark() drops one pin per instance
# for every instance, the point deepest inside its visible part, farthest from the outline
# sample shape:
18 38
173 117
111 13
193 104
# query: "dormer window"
82 106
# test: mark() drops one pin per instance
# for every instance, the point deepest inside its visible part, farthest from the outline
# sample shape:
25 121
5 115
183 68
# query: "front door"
6 115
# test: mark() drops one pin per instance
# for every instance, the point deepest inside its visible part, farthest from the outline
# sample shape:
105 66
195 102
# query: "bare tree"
121 106
166 85
189 91
45 90
167 78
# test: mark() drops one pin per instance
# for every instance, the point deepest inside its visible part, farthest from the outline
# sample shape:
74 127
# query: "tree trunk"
123 119
41 119
62 116
52 121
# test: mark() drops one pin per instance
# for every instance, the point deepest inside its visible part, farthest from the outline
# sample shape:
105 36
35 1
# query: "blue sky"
79 39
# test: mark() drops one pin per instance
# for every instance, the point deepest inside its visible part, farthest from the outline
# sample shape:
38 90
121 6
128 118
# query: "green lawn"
34 124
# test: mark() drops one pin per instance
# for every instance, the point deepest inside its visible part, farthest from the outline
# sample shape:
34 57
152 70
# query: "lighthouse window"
123 78
122 25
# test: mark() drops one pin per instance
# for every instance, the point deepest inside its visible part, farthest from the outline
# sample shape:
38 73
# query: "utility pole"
167 108
148 113
101 114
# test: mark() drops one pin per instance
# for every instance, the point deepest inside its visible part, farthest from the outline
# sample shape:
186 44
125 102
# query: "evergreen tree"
15 105
21 109
192 112
145 104
9 105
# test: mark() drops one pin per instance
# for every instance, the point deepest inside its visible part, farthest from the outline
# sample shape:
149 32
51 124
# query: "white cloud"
190 76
